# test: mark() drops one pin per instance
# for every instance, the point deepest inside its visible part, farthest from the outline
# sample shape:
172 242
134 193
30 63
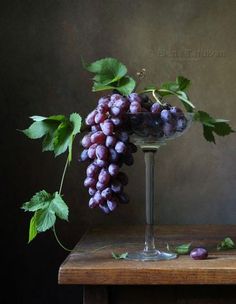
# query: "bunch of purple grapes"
107 146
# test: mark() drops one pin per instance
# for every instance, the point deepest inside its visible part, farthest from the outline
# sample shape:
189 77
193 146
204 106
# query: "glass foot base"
155 256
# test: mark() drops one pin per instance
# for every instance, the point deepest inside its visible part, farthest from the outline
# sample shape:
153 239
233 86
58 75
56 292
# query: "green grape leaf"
58 132
183 83
226 244
119 256
180 249
46 207
107 70
33 228
126 85
45 219
59 207
212 125
40 200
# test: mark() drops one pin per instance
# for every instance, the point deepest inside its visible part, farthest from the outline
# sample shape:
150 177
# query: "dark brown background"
41 73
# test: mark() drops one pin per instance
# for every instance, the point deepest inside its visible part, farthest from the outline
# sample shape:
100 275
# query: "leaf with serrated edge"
126 85
32 228
40 200
38 118
45 219
37 130
76 120
59 207
208 133
226 244
183 83
62 138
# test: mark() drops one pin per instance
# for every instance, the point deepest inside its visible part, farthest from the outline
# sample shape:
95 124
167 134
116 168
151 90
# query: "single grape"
92 203
100 186
104 176
84 155
115 111
156 108
86 141
134 97
90 118
135 107
112 203
103 108
103 101
105 208
107 193
123 178
113 169
128 159
120 147
98 198
92 170
100 117
122 104
168 129
92 151
132 148
107 127
116 186
89 182
113 155
116 121
98 137
110 141
177 112
199 253
181 124
92 191
101 152
166 115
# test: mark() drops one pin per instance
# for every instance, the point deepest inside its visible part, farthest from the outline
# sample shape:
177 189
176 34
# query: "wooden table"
91 264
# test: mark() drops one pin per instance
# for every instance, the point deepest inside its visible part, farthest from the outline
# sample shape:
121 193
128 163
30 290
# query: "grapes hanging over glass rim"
107 145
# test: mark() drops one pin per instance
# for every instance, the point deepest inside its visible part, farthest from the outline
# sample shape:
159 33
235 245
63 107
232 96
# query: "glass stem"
150 191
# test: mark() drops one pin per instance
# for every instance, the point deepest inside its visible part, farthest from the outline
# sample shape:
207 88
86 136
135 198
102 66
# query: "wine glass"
147 133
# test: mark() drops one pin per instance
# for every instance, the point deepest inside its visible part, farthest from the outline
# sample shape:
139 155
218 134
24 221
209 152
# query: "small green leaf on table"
226 244
119 256
180 249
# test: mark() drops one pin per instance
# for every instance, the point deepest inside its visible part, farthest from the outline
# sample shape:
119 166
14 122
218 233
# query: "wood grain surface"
91 263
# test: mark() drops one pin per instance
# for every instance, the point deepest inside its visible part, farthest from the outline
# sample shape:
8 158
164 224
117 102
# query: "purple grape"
181 124
98 137
89 182
100 117
92 170
199 253
103 101
84 155
177 112
105 208
120 147
128 159
98 198
92 191
116 121
112 204
113 169
134 97
135 107
122 104
92 151
132 148
115 111
156 108
114 156
103 108
90 118
110 141
116 186
107 127
100 186
107 193
166 115
92 203
168 129
104 176
101 152
86 141
115 97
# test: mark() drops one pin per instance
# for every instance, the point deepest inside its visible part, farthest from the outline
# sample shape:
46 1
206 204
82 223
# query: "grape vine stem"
60 189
